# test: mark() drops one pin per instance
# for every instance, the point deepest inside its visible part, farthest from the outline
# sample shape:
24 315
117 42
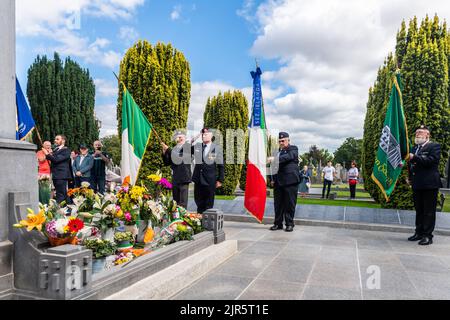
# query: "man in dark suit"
425 181
82 166
60 166
285 180
179 159
208 172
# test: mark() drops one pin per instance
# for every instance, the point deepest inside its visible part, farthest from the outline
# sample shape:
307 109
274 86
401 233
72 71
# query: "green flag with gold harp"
393 149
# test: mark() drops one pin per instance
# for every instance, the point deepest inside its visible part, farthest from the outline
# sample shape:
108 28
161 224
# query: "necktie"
418 149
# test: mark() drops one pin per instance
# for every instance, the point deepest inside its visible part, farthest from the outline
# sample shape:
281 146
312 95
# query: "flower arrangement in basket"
100 248
58 228
124 240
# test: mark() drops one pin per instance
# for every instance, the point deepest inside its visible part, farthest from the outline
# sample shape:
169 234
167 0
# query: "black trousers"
425 202
285 200
326 183
61 190
204 197
352 191
180 194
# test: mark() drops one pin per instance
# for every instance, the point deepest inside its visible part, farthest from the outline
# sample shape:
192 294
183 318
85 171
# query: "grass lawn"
340 203
217 197
446 204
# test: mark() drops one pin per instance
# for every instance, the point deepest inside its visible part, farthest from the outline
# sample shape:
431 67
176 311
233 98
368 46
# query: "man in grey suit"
82 166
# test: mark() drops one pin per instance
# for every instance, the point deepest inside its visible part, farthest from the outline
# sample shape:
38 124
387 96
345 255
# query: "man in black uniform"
208 172
285 181
61 167
179 159
425 181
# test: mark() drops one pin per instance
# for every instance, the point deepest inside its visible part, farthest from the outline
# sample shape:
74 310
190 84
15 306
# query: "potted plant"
124 240
100 250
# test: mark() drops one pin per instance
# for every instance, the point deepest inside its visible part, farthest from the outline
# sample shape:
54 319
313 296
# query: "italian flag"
136 130
255 188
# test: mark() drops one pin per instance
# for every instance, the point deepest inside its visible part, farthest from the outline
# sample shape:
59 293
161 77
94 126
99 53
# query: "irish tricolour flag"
136 132
255 188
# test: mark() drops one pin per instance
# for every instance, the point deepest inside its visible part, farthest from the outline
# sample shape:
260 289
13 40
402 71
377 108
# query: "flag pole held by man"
255 189
393 150
136 131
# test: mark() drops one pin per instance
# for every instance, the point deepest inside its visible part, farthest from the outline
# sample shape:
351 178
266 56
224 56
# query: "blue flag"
25 122
257 119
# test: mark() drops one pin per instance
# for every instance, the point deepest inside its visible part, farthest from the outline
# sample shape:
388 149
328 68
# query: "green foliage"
229 111
349 151
111 145
100 248
158 78
123 236
62 99
422 53
316 156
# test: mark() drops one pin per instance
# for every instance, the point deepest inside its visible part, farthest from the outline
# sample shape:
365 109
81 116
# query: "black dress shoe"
275 227
426 241
415 237
289 229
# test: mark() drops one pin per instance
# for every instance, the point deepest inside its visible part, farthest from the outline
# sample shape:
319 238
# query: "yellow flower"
119 213
137 192
33 220
154 177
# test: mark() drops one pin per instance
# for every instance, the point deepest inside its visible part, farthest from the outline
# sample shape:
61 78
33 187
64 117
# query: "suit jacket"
181 168
288 172
424 167
85 167
208 169
60 164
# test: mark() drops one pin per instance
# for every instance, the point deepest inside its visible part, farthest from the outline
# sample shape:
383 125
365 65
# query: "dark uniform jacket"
424 167
61 164
209 170
181 168
288 171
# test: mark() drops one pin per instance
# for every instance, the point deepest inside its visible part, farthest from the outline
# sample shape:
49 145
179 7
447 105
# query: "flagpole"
153 129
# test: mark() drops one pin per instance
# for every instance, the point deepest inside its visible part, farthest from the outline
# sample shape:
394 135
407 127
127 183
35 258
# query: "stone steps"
171 280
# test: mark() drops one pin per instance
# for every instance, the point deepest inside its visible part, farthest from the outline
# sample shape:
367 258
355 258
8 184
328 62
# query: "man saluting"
425 181
208 172
285 181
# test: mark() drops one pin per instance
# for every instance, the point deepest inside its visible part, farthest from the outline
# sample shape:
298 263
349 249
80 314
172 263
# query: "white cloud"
329 52
176 13
128 34
107 115
105 88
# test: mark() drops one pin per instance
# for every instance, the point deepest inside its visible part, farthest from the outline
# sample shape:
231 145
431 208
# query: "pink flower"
128 216
166 184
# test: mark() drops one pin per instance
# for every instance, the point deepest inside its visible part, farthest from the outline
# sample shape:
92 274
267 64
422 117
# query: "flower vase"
133 229
98 265
109 234
143 225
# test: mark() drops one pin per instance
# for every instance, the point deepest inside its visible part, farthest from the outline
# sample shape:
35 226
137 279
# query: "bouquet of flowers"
59 229
83 198
157 186
194 220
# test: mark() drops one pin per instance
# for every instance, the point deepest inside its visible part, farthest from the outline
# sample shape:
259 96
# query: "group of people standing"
328 175
208 172
69 169
424 178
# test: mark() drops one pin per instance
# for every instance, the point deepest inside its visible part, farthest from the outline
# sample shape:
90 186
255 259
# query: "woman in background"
305 182
353 176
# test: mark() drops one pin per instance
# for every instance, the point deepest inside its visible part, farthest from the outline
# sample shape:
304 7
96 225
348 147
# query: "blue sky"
319 58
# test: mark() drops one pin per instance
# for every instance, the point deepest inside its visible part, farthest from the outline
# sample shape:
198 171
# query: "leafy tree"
158 78
316 156
422 53
62 98
349 151
111 145
229 111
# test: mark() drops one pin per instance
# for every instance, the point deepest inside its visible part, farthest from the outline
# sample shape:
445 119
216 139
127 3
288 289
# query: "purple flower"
50 228
166 184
